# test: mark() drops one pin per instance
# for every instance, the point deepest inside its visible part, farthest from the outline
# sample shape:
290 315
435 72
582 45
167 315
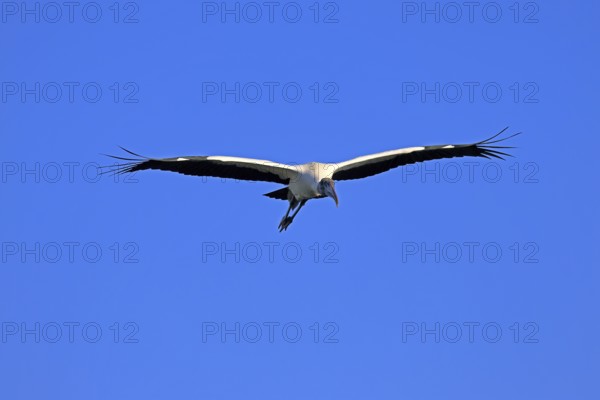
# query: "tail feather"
281 194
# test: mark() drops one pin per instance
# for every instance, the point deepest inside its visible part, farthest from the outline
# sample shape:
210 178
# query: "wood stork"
312 180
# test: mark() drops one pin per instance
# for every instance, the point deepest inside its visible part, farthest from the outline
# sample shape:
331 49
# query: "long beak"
333 195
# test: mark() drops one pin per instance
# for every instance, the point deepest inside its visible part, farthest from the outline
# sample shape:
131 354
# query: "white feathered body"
304 185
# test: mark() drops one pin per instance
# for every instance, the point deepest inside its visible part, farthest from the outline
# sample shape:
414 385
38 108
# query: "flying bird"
312 180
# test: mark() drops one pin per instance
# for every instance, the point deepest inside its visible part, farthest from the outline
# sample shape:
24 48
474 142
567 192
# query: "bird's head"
327 188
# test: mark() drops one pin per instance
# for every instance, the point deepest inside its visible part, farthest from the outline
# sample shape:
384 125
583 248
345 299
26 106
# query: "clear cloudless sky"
466 278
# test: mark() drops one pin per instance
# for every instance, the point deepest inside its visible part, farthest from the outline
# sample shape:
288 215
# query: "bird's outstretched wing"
248 169
362 167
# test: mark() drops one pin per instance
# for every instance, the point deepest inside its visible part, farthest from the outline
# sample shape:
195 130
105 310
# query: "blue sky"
462 277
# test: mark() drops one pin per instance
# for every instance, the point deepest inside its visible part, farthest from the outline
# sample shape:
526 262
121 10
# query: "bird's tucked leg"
287 220
293 204
287 213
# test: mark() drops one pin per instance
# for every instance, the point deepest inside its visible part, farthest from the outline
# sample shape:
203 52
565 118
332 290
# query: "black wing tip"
132 153
491 141
118 169
131 164
496 154
489 148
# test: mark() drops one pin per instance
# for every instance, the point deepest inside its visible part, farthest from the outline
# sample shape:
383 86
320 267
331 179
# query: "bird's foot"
285 222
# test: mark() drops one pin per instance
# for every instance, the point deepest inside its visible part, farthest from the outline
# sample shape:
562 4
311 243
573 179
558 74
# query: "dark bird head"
327 188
